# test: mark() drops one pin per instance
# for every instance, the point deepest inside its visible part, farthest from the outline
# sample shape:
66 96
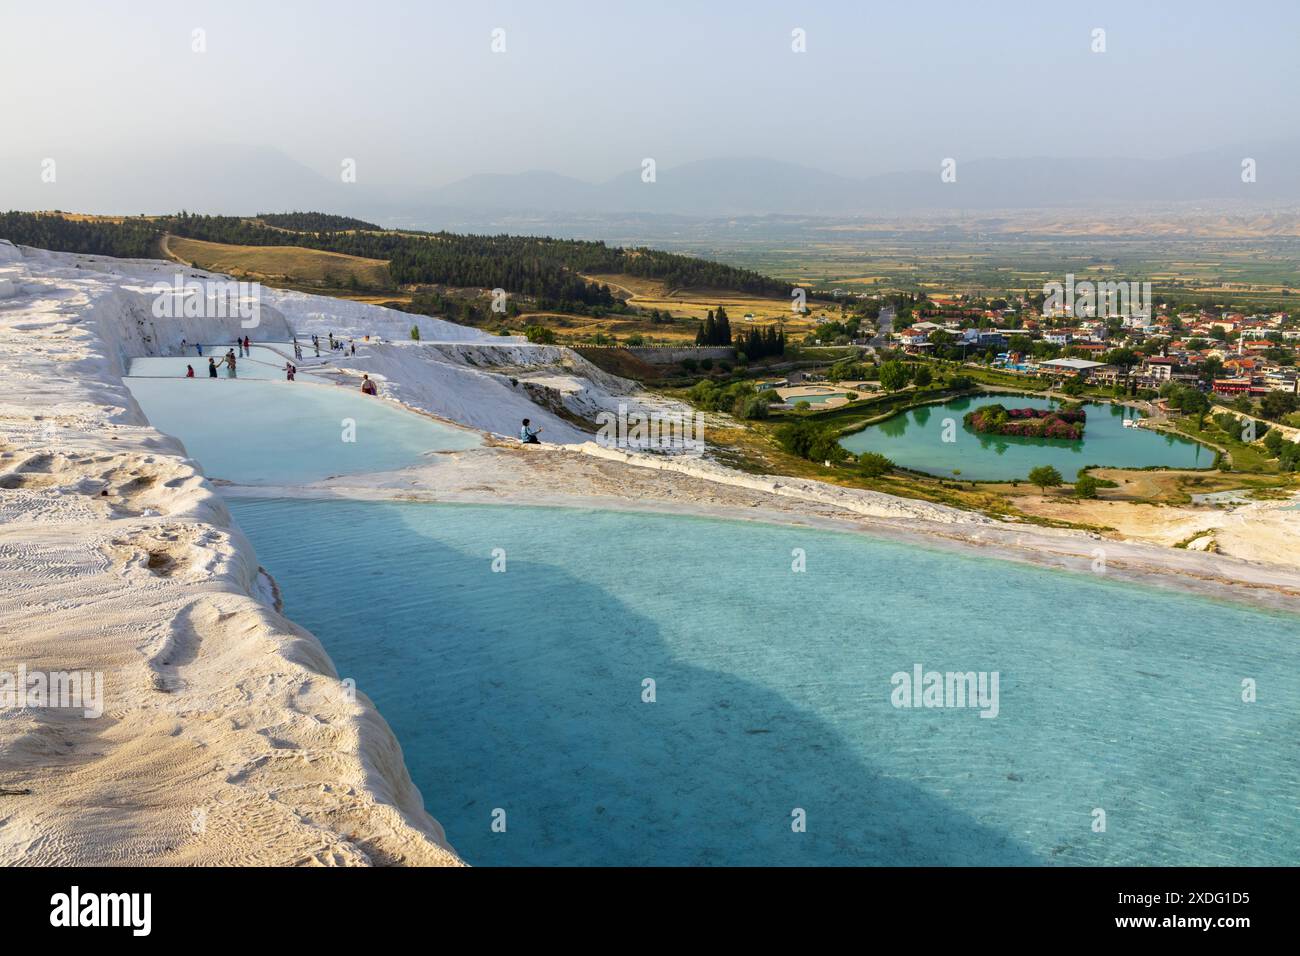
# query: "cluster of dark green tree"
315 222
753 344
1274 405
757 344
545 269
128 239
1240 429
821 443
1190 401
1197 404
715 329
739 398
1249 430
1287 452
813 441
895 375
852 370
1277 405
541 269
460 309
686 272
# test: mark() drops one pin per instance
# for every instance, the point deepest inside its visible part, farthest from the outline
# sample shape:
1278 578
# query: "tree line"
128 239
315 222
546 269
754 343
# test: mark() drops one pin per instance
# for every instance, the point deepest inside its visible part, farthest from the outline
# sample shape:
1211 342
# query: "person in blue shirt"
529 435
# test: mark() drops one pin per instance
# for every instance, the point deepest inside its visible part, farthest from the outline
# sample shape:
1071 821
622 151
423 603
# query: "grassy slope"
285 263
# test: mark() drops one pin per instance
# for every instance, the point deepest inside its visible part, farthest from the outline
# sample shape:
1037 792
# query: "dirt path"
166 247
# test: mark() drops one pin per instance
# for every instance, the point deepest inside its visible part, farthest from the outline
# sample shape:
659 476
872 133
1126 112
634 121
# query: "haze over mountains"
242 179
752 186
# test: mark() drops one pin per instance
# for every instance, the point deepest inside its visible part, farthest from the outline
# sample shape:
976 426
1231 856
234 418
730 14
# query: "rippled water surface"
523 691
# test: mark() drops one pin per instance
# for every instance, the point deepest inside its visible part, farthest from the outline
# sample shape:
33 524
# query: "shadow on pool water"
548 724
522 691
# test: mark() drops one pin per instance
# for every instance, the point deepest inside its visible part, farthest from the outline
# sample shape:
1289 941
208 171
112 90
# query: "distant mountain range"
748 186
239 179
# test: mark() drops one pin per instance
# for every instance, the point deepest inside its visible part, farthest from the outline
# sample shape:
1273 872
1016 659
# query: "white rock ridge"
226 736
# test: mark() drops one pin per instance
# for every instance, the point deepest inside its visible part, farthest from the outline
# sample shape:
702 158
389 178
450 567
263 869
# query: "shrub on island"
1065 422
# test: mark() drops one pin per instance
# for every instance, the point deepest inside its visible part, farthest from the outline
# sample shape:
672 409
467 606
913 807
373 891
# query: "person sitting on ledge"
528 435
367 386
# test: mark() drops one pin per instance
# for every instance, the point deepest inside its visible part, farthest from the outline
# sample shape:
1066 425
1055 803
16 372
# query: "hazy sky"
415 94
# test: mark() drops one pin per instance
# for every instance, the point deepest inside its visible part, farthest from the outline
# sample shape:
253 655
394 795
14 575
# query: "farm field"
1264 271
696 303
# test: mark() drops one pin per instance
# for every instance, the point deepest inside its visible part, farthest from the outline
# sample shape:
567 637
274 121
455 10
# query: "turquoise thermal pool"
272 433
522 691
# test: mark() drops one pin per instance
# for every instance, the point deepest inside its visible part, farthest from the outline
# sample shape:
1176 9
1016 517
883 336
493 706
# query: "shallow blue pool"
270 433
523 691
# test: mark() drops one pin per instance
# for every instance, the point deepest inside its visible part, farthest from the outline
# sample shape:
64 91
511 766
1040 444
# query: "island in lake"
1068 421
